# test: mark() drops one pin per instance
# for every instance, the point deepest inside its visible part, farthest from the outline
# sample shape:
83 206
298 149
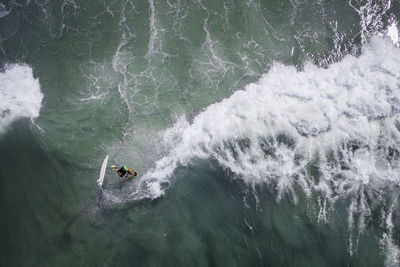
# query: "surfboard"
102 172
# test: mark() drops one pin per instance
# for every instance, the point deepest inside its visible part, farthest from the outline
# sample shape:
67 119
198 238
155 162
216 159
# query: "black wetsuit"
122 172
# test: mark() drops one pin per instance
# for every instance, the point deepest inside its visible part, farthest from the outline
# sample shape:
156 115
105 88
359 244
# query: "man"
123 171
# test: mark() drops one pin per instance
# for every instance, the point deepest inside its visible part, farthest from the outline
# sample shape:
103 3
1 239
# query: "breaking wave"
20 95
342 123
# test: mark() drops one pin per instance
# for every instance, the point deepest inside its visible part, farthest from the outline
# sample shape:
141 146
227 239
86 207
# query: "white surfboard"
102 172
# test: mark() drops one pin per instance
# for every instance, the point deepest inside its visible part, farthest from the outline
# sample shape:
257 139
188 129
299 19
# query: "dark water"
265 133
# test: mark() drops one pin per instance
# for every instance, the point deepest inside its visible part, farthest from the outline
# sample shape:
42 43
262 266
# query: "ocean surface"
263 132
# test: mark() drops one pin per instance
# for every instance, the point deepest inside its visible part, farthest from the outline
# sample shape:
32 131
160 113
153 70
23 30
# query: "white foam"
387 242
393 33
318 111
3 11
20 95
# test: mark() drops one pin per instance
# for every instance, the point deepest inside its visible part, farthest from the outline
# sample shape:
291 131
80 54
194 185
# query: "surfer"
125 171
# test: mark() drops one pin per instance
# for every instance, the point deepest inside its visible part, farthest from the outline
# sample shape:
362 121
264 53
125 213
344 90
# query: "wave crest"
20 95
343 119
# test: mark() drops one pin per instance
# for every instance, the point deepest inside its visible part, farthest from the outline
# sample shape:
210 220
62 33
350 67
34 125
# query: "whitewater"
20 95
272 129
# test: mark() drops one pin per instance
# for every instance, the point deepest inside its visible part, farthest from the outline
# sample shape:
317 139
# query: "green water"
115 75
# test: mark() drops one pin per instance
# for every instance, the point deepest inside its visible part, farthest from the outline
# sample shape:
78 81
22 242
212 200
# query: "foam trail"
393 33
20 95
271 131
3 11
387 242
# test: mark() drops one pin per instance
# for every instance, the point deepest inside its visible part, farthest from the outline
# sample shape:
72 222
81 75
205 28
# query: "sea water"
264 133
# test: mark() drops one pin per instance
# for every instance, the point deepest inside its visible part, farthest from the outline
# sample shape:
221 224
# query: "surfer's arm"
131 173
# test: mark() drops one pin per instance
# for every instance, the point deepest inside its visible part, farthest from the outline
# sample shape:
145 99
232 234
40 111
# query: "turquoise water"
265 133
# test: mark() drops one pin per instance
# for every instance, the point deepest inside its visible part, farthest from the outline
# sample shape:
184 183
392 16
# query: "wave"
20 95
343 120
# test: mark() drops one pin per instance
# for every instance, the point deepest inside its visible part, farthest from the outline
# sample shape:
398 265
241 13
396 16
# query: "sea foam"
20 95
342 118
3 11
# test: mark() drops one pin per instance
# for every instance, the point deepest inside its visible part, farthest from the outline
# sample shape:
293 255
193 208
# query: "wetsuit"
122 171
